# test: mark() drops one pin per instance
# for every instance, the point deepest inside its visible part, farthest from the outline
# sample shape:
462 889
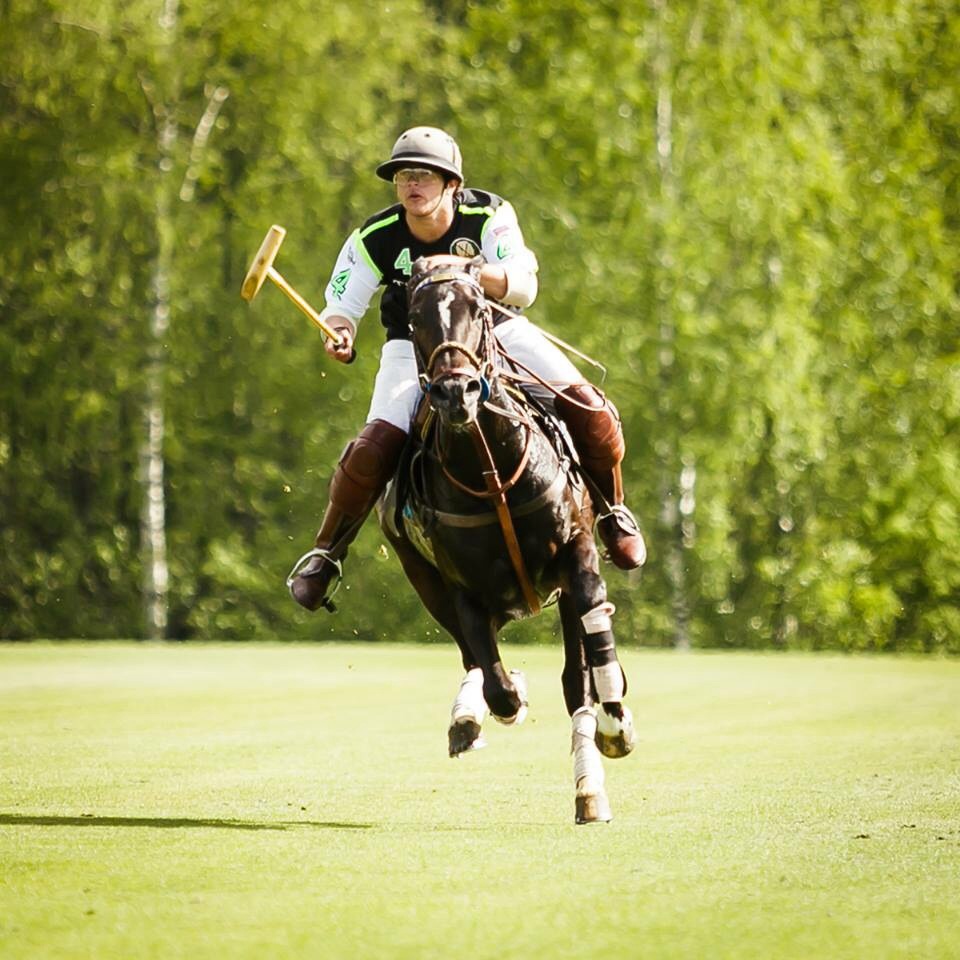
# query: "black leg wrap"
599 648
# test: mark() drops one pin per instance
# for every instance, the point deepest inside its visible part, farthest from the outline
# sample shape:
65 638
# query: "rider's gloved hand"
344 352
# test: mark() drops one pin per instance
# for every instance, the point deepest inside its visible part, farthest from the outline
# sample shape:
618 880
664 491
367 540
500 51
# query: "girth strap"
490 516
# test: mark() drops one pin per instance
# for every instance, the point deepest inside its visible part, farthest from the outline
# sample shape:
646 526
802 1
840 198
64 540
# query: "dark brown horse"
491 521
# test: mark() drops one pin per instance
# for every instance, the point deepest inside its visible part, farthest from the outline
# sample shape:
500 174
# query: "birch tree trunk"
156 577
670 478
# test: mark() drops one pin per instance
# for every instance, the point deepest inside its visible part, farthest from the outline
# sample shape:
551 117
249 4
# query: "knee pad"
594 424
367 463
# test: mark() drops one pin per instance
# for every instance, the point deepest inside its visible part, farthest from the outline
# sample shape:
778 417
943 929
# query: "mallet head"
262 262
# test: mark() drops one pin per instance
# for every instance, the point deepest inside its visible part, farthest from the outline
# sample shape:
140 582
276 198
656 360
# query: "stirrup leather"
326 555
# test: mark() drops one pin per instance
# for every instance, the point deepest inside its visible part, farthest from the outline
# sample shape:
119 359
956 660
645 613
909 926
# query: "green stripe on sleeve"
486 211
367 259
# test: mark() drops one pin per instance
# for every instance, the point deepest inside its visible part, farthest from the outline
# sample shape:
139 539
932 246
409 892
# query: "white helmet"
424 147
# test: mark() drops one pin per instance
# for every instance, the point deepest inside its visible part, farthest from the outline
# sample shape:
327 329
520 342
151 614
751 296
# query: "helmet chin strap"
442 197
439 203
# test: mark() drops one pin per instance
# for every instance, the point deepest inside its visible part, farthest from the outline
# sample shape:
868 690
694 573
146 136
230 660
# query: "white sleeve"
353 283
503 244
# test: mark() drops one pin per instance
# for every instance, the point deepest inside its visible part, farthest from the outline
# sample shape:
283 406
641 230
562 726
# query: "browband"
447 276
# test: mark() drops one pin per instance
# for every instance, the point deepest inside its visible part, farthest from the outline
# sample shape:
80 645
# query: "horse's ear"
476 265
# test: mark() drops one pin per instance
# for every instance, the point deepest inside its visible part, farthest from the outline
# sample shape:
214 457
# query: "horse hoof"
593 808
515 720
616 746
463 736
615 736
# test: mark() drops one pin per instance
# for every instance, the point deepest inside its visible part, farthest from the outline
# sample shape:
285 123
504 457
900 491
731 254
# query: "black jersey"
383 250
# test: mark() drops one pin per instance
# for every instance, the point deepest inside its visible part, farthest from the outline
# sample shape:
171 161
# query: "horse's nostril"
455 390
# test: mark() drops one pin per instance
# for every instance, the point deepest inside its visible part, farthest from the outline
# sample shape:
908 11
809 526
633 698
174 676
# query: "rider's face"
420 191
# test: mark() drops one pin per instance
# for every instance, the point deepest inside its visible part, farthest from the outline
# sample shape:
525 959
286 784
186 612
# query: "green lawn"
297 801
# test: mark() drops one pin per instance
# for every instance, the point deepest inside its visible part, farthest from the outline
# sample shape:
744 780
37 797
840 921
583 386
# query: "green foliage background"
748 211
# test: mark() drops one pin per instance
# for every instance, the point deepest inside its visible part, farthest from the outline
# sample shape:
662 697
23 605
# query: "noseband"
483 365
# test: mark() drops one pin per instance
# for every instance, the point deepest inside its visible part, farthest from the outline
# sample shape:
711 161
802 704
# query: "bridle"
482 358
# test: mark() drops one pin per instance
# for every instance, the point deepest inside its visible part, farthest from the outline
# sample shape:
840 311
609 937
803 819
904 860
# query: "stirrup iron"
622 516
626 523
323 554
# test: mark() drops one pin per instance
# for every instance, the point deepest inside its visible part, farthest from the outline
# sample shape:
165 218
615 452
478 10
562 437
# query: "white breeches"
396 390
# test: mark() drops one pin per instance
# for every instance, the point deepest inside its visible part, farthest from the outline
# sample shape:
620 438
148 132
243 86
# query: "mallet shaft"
276 277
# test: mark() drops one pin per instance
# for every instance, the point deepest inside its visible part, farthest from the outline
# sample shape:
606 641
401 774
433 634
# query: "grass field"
297 801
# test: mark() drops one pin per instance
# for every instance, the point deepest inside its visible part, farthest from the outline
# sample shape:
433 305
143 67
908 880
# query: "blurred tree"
72 275
103 112
749 214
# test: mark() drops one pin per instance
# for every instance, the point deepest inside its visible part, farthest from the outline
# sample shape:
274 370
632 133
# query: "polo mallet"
262 267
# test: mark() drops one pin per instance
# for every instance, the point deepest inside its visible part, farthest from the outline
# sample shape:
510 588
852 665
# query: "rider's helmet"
424 147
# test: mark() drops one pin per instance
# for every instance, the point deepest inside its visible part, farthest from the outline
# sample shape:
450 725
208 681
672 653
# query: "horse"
491 521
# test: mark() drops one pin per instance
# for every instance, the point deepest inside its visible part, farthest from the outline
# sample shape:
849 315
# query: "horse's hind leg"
576 674
592 805
607 681
615 733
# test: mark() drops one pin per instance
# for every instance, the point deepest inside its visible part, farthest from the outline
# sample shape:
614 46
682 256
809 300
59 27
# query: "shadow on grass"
171 823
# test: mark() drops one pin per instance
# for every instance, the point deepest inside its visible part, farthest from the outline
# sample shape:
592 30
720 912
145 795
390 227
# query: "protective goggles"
404 178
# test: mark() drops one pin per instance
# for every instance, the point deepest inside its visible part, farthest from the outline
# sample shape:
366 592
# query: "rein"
498 493
478 437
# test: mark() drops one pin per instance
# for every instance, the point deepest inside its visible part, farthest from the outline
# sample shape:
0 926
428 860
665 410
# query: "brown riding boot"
594 426
366 466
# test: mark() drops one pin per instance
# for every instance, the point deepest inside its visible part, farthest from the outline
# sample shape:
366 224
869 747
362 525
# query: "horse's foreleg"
433 592
467 715
504 693
469 708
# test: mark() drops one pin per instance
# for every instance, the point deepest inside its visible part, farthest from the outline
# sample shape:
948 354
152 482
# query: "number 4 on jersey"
403 263
339 283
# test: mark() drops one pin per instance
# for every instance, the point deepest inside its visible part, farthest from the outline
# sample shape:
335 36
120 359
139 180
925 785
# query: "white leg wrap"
469 703
609 682
588 774
598 620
